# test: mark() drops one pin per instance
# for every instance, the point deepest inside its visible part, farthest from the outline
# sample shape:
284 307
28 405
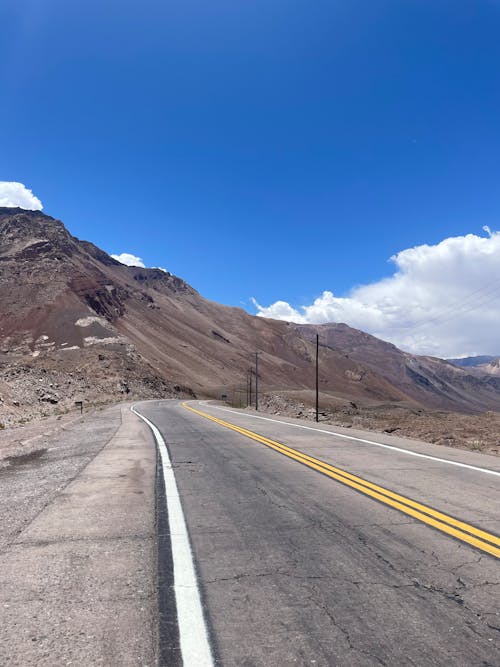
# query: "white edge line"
193 634
488 471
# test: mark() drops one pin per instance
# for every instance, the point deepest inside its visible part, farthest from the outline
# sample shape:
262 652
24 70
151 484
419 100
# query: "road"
299 565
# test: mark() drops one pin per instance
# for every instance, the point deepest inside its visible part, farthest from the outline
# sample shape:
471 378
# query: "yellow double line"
459 529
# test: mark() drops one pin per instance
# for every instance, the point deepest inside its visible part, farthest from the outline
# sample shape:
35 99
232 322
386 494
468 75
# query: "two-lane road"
316 549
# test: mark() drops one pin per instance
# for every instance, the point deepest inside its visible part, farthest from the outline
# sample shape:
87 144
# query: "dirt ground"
479 432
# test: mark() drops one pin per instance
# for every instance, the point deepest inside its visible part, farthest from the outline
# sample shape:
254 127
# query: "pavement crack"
364 541
346 634
454 596
242 575
468 562
483 583
278 573
493 627
274 502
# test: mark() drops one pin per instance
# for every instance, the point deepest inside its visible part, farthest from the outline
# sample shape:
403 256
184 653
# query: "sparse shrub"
477 445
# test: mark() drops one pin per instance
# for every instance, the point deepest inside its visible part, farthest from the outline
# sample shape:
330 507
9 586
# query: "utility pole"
256 382
317 377
250 371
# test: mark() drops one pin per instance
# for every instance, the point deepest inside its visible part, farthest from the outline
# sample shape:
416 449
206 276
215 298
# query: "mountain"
481 365
471 362
427 380
75 324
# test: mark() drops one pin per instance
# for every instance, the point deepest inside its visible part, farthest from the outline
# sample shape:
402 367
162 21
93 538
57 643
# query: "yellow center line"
465 532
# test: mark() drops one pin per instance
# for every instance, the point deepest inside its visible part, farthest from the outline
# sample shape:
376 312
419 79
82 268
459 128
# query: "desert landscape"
77 325
249 316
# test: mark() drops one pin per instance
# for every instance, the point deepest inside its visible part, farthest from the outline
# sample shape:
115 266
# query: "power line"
456 309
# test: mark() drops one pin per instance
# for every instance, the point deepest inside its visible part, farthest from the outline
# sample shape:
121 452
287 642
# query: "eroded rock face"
57 307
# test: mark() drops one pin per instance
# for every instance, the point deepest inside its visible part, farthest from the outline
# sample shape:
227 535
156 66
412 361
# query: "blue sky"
269 149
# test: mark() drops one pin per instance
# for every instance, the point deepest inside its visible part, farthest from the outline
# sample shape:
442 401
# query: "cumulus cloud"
442 299
129 259
14 194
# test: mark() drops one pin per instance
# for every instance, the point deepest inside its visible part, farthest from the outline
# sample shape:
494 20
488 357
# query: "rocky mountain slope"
430 381
468 362
75 324
481 365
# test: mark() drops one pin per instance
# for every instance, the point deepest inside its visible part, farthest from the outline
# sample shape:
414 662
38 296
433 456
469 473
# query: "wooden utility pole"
256 381
317 377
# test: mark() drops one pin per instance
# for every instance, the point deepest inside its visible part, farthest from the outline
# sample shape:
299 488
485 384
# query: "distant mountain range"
480 365
75 324
467 362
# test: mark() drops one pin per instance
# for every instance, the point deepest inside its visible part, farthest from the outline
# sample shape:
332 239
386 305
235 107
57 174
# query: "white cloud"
129 260
14 194
443 300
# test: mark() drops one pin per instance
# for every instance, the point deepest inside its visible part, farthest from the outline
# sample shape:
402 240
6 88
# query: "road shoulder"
78 582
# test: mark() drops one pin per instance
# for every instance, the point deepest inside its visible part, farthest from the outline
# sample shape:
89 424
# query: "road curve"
297 567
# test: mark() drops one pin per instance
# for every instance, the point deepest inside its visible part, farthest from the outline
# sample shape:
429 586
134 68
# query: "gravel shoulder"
453 430
77 545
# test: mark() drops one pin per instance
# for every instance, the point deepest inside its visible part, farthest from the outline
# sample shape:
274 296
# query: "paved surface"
77 556
296 568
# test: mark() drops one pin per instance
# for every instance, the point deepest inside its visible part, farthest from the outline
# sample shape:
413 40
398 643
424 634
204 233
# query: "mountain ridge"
471 362
67 305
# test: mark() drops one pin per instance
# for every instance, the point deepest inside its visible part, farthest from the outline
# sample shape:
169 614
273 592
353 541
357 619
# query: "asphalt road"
296 567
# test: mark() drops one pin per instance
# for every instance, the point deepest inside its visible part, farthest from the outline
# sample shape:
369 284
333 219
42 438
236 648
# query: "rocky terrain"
471 362
484 366
75 324
480 366
38 387
474 432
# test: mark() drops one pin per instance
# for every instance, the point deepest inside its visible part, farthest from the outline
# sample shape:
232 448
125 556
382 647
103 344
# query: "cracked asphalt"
296 568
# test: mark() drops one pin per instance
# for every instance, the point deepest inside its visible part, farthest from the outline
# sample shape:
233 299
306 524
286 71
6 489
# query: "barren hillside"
76 324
